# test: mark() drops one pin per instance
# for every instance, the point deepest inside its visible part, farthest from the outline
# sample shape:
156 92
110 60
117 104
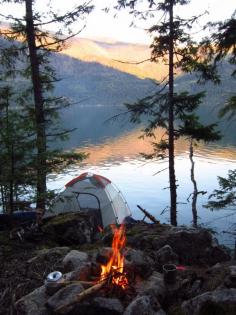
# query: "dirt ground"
19 276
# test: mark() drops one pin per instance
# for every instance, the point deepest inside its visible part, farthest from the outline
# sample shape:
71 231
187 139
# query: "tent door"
89 203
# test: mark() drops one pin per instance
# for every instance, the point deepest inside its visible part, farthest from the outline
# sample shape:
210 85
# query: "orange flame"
115 266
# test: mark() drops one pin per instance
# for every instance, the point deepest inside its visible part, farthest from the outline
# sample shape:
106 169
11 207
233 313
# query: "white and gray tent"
92 193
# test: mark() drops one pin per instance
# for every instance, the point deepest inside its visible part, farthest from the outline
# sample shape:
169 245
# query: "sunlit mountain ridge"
126 57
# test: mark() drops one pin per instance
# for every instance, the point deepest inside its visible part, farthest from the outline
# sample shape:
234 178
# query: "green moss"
59 219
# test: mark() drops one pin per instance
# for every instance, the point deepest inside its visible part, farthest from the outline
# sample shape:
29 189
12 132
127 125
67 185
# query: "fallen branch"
79 297
148 215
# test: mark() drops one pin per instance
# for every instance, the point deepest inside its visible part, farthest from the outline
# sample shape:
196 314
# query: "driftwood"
79 297
148 215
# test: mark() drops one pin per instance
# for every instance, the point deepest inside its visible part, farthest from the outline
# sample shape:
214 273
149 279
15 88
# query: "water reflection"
129 146
118 159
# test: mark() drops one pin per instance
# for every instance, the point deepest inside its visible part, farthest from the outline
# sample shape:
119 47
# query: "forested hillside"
98 84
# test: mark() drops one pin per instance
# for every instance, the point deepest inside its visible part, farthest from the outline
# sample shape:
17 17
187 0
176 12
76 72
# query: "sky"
101 25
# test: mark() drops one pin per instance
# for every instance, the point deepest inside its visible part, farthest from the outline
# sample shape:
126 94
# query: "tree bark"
11 172
172 179
195 189
39 107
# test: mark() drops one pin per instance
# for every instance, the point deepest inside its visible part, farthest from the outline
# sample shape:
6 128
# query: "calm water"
114 152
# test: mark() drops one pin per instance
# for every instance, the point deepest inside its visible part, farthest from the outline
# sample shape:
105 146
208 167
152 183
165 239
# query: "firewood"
78 298
86 284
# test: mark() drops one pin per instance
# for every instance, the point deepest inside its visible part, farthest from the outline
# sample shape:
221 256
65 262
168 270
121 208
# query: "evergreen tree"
222 46
225 196
172 44
16 150
35 46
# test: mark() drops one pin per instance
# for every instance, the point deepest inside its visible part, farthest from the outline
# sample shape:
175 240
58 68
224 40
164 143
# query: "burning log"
114 269
81 296
148 215
112 273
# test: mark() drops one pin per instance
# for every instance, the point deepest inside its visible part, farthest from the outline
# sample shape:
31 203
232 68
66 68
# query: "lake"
114 151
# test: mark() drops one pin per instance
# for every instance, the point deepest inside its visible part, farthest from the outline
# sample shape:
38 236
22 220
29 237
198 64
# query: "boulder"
104 255
160 312
74 259
165 255
64 296
153 286
83 272
140 261
110 306
98 306
33 303
230 279
221 301
70 228
143 305
47 253
195 246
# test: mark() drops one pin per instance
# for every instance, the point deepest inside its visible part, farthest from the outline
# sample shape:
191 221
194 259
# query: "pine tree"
17 144
34 48
222 46
172 44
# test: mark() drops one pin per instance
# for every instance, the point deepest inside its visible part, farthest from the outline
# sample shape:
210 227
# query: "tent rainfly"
92 193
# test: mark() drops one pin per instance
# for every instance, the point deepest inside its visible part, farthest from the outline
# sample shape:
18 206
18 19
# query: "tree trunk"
39 108
11 184
10 149
195 190
4 209
172 180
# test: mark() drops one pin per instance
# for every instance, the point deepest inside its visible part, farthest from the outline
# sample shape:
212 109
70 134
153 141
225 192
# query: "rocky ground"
205 283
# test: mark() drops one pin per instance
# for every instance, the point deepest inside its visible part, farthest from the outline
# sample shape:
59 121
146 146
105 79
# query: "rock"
165 255
70 228
104 255
64 296
143 305
160 312
98 306
33 303
143 264
193 246
230 280
46 254
222 302
196 288
153 286
232 272
74 259
83 273
113 306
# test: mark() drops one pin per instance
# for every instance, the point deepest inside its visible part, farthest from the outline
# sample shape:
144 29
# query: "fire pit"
112 276
120 280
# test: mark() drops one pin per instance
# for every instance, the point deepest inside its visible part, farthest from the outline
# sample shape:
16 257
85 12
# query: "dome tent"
92 193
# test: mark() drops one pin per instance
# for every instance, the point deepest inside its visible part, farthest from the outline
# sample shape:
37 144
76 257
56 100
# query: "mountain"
96 84
108 52
91 84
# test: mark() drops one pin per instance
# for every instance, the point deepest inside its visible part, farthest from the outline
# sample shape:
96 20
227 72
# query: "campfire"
114 269
112 273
